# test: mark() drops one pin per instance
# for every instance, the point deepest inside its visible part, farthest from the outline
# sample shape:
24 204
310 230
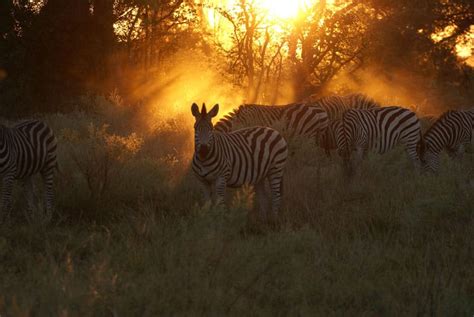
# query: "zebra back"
248 115
336 106
293 119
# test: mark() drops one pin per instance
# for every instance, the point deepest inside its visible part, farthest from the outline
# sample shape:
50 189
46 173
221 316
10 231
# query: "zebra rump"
26 149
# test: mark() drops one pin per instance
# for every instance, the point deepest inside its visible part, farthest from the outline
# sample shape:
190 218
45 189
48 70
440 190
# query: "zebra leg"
459 151
276 187
412 153
352 163
29 193
360 154
220 186
7 188
262 199
48 180
206 189
365 153
431 162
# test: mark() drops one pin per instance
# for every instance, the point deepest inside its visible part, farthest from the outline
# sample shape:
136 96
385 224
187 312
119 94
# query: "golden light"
464 43
284 9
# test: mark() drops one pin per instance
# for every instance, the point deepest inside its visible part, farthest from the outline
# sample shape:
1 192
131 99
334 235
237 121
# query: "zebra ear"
214 111
195 110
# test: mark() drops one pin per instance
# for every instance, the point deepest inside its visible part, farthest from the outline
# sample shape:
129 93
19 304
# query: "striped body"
450 132
379 129
335 107
242 157
25 150
297 119
247 156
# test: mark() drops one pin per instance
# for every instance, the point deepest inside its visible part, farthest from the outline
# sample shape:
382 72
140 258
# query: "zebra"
335 107
26 149
247 156
298 119
379 129
450 132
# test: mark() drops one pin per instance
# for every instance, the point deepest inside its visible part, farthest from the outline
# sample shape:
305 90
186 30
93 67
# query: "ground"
133 240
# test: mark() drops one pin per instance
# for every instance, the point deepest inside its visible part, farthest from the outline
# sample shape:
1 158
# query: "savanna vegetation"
115 81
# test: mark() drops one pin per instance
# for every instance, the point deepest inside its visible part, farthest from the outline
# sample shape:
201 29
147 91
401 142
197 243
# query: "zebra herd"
349 124
244 147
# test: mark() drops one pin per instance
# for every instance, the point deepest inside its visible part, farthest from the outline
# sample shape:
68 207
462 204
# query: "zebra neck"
438 139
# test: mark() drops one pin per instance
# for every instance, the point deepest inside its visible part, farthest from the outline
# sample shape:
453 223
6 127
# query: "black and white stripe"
296 119
246 156
379 129
26 149
450 132
335 107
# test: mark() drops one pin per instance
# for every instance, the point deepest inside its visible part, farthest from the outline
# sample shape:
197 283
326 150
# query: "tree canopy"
52 51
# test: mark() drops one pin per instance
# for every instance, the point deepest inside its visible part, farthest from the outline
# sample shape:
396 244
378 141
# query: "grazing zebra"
26 149
246 156
297 119
450 132
335 107
379 129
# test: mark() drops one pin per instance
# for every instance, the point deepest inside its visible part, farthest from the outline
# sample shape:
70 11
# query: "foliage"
93 47
255 56
326 41
99 155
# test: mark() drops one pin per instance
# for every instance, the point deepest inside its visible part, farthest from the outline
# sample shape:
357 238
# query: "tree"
327 40
255 56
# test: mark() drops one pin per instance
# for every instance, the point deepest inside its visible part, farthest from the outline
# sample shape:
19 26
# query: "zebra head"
347 129
438 137
203 129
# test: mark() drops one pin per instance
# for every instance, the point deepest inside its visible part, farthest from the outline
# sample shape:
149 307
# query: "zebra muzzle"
203 151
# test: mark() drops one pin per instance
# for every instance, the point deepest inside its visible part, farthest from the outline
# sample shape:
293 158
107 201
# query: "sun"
284 9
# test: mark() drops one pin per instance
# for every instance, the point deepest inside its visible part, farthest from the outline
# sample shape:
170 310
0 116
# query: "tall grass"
389 241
